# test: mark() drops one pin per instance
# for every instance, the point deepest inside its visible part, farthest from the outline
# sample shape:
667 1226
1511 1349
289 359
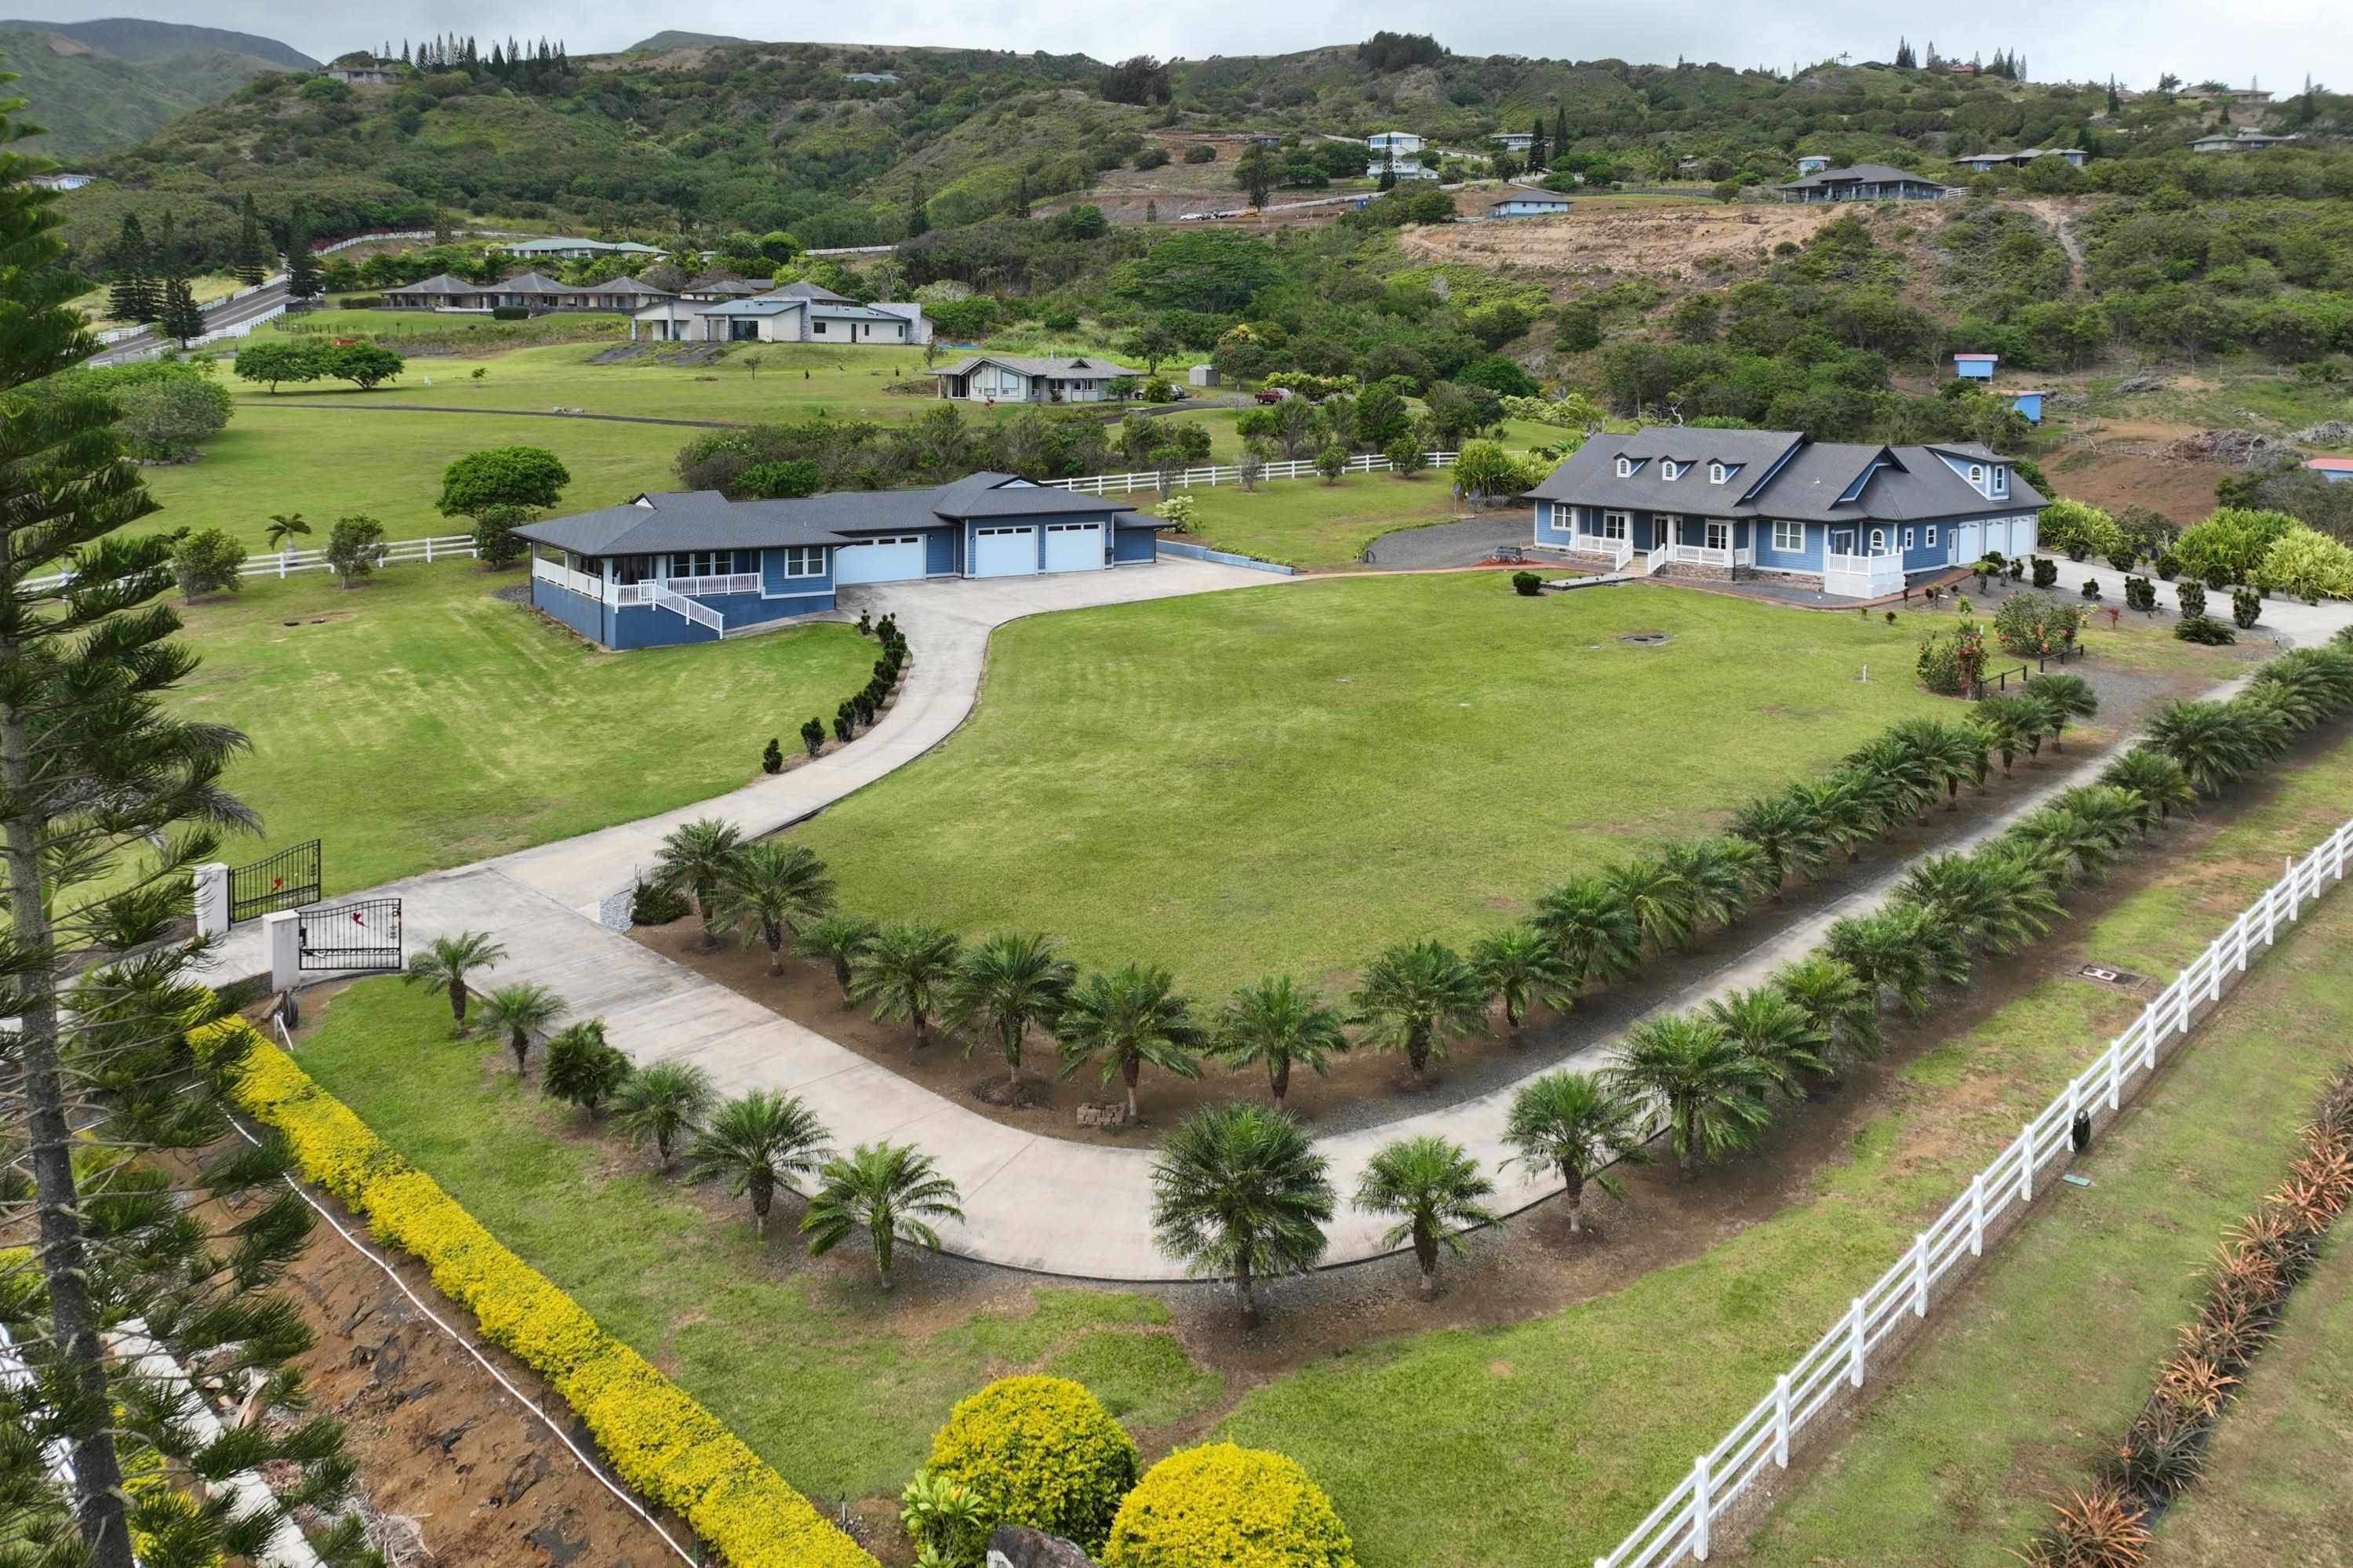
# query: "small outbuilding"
2335 469
1975 366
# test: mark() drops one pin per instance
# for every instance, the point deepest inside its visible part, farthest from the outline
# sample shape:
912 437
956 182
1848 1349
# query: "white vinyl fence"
1825 1377
284 563
1227 474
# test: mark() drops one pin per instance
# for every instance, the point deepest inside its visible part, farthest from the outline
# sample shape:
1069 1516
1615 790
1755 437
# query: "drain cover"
2107 974
1647 639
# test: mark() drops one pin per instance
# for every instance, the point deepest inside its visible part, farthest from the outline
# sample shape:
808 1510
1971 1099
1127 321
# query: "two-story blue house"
692 567
1859 520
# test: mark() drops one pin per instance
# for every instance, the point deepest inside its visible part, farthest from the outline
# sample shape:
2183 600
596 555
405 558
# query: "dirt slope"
1625 237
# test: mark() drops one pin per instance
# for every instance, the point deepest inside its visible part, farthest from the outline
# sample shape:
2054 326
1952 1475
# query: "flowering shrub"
1237 1508
1951 662
660 1441
1039 1451
2030 623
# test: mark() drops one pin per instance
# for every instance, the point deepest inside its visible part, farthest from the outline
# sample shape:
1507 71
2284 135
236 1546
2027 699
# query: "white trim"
1931 540
1717 473
1625 468
1878 542
1910 541
2001 479
1667 470
1797 532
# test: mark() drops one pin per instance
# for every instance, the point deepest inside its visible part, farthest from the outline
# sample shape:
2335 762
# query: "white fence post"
1977 1214
1855 1343
1781 1420
284 934
2291 888
1699 1508
1920 1275
2026 1164
2115 1078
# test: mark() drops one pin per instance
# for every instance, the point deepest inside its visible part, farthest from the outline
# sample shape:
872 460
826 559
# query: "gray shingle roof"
1776 473
439 283
1081 367
1865 174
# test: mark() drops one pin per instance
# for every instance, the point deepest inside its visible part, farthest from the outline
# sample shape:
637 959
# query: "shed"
2027 400
1976 366
2335 469
1201 375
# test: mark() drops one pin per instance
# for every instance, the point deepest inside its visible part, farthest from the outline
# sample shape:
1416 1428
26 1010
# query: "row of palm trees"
1239 1192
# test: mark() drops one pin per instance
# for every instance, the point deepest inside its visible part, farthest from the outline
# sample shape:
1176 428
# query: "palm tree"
2213 742
1842 1006
1596 932
1435 1187
1712 1089
906 972
758 1142
518 1012
887 1189
285 527
1874 947
1520 965
1239 1190
2114 814
1723 875
766 889
1575 1124
1004 986
2079 845
1127 1018
2160 782
1660 901
694 859
1897 781
449 960
1950 754
1838 803
842 940
1788 832
662 1103
1779 1035
1276 1022
2008 725
582 1069
2062 697
1414 996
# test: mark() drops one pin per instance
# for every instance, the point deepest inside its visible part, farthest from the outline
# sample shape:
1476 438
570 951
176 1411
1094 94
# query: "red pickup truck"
1274 394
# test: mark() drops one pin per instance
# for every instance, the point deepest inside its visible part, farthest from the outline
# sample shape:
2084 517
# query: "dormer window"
1715 473
2001 480
1977 474
1625 468
1667 469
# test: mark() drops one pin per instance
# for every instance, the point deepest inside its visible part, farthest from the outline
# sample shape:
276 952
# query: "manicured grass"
1546 1442
2032 1378
1290 779
425 724
1316 526
807 1363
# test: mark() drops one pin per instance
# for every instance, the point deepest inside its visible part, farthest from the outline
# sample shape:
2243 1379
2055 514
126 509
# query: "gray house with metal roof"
694 567
1865 182
798 312
1024 379
1858 519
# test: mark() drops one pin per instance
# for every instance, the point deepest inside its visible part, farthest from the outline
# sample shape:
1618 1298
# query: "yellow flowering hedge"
1039 1451
661 1441
1237 1508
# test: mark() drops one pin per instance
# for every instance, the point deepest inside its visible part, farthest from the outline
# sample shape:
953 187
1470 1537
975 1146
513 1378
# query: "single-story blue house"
1975 366
1863 182
692 567
2027 400
1530 204
1857 519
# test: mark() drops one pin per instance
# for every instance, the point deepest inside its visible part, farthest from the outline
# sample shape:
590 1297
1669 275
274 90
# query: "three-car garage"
895 560
1005 550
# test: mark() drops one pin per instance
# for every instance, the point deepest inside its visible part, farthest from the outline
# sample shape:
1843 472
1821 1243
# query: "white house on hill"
798 312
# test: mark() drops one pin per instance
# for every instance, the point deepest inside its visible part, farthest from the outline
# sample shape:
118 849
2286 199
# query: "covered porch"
1663 539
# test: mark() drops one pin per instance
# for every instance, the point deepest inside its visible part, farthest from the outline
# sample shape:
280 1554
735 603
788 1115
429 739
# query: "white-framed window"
998 532
1715 473
1616 525
804 560
1719 536
2001 479
1667 469
1071 527
709 563
1932 536
1625 468
1788 538
1878 542
1977 474
1907 539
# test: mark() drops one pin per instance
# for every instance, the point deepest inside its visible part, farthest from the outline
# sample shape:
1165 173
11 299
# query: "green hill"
673 38
100 86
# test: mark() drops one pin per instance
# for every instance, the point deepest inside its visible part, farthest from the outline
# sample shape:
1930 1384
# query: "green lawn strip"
1290 779
803 1364
2035 1372
1316 526
2275 1488
425 724
1570 1427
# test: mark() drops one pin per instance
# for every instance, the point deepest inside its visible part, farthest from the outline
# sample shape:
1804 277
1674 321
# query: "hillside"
673 38
104 85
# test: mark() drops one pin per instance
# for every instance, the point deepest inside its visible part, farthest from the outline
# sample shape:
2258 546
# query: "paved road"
223 314
1465 544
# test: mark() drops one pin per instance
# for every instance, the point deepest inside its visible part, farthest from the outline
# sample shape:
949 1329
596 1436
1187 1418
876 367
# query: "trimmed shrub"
1039 1451
2205 629
1228 1505
207 561
773 760
2140 594
1526 584
2046 571
2091 588
511 312
813 736
653 905
2246 608
2122 560
2168 565
2193 596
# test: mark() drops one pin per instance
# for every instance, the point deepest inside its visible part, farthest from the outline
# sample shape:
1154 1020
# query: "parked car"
1191 216
1271 395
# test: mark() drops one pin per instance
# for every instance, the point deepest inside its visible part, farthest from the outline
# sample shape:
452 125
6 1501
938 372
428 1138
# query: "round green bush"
1039 1451
1237 1508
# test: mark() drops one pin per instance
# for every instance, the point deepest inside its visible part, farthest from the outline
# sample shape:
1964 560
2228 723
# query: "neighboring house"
872 78
798 312
1981 162
528 291
1855 518
1397 142
2240 140
1530 204
2337 471
694 567
60 182
1865 182
2027 400
561 249
364 76
1514 140
1975 366
1812 163
1019 378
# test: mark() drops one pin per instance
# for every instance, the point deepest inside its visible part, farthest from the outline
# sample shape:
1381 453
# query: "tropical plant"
695 860
2010 725
2060 698
1840 805
891 1191
2102 1528
1950 754
1660 901
945 1519
1722 874
662 1104
1005 985
758 1142
1596 932
2161 784
905 971
1436 1188
1884 950
1897 781
1987 900
448 960
2215 743
582 1069
1415 996
1712 1090
1788 833
1520 965
765 890
1225 1505
1238 1189
518 1012
1575 1123
1041 1452
842 940
285 527
1126 1019
1283 1026
1834 997
1778 1035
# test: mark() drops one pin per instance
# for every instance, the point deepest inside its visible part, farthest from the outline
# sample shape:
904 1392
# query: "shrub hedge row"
658 1439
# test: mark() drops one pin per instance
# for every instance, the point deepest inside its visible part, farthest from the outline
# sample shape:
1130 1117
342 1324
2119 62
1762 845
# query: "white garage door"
1005 553
891 560
1074 547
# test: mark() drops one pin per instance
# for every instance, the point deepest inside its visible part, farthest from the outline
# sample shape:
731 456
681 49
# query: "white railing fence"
1760 1443
1227 474
284 563
698 614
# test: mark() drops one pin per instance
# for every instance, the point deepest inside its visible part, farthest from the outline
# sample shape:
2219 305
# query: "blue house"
2335 469
1855 519
1975 366
1529 204
2027 400
692 567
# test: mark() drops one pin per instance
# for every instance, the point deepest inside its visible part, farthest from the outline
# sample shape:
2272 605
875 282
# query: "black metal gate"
287 879
361 935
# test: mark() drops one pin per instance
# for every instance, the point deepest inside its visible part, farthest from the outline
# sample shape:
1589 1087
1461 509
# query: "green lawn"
425 724
838 1387
1544 1443
1316 526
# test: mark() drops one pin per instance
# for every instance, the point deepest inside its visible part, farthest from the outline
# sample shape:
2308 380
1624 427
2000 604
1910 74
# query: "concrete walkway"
1031 1201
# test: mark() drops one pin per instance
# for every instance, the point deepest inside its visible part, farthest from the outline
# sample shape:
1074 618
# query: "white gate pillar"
284 930
212 899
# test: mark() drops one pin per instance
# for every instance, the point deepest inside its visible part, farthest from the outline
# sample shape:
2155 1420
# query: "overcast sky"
2276 41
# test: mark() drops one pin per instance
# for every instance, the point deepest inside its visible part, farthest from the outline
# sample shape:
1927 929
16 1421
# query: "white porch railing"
678 604
563 577
1658 560
1619 551
1227 474
728 582
1700 555
1760 1444
1861 576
